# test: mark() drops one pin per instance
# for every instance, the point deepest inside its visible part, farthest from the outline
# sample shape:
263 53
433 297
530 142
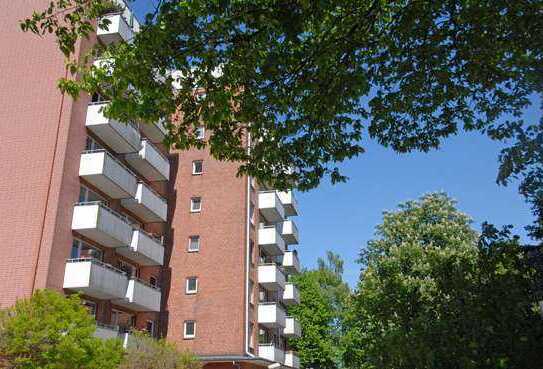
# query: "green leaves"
301 82
433 294
54 332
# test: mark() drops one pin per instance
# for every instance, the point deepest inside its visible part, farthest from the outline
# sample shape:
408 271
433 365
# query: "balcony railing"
150 162
290 262
109 175
155 132
145 249
291 295
141 296
289 203
270 206
292 327
95 278
120 137
271 315
147 204
270 241
292 360
118 30
289 232
271 352
270 277
101 224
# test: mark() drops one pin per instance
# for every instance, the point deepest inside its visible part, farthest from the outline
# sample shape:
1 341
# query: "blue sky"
343 217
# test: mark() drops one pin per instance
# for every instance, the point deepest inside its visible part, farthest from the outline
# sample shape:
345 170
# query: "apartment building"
169 242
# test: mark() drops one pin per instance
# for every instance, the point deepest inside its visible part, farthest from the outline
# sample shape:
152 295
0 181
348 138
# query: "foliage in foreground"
145 352
433 294
51 331
314 77
323 296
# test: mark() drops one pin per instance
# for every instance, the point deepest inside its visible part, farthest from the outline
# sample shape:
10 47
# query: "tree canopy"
51 331
309 81
324 296
435 294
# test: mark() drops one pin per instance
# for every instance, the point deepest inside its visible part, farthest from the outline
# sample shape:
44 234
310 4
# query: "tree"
145 352
52 331
306 79
323 295
433 294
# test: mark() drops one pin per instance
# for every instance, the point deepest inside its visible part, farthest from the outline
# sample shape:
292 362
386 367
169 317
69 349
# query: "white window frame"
185 334
187 284
200 132
193 202
194 237
194 163
152 332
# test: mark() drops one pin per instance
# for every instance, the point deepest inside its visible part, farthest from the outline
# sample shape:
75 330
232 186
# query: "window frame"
196 237
194 163
200 132
187 284
185 334
192 202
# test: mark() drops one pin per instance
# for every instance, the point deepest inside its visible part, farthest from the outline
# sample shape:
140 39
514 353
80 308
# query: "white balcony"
106 332
290 262
292 327
289 203
95 279
271 315
155 132
107 174
289 232
121 137
291 295
118 30
144 249
147 204
141 297
270 277
270 241
270 206
150 162
292 360
270 352
101 224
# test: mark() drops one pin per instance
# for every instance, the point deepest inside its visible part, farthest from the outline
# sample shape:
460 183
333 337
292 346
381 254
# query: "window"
97 98
252 213
200 132
252 252
197 167
252 336
82 250
191 285
92 145
196 204
91 307
128 268
150 327
153 281
251 292
194 243
87 195
189 329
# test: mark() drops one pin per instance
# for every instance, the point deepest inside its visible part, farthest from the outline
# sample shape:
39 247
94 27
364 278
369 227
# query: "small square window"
200 132
194 244
191 285
195 204
189 329
197 167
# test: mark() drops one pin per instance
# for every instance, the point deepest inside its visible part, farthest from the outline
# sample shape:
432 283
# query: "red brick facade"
42 135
